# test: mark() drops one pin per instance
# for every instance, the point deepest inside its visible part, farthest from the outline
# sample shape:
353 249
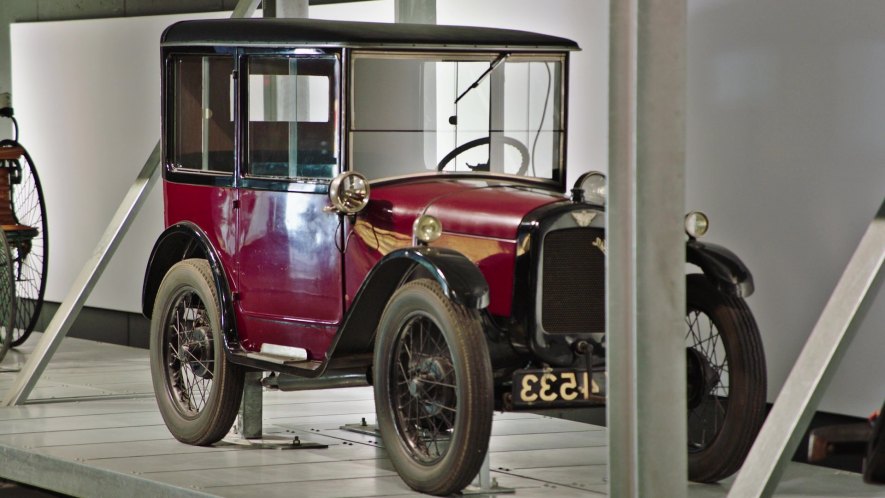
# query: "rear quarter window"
202 126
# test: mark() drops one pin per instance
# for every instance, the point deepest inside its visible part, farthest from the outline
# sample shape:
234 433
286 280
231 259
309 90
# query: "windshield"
497 113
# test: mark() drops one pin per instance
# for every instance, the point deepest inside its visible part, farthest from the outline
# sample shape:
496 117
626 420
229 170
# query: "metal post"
86 280
249 421
646 249
245 8
297 9
415 11
816 365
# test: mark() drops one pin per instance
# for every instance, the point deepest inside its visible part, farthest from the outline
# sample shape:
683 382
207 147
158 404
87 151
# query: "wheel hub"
196 351
702 377
424 375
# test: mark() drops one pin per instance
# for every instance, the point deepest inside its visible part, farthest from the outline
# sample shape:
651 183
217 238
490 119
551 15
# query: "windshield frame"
557 182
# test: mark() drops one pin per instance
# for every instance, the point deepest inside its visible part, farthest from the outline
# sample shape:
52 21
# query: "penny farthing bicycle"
23 221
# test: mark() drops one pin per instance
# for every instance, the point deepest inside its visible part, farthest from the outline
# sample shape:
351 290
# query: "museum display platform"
92 428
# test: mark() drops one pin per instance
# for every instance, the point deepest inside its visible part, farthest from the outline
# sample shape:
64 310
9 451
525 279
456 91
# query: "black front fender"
727 272
460 280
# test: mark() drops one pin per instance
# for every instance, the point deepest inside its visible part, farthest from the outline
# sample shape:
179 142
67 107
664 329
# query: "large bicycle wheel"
7 298
28 242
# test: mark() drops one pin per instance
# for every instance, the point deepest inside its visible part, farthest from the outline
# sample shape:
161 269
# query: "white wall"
786 120
785 115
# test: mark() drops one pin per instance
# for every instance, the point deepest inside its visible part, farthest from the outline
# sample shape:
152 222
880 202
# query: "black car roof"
317 32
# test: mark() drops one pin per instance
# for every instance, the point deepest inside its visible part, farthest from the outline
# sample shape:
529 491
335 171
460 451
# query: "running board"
285 361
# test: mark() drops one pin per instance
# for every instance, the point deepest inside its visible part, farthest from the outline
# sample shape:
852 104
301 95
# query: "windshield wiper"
495 63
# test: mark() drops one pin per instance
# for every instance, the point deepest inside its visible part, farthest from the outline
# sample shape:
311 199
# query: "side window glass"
202 127
292 117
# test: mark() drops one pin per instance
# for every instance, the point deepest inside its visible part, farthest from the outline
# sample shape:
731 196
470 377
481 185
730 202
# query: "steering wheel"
516 144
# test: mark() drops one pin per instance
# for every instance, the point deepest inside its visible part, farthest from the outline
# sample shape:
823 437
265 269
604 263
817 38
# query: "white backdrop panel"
786 114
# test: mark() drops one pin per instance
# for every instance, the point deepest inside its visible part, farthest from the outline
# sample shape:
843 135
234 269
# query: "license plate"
557 387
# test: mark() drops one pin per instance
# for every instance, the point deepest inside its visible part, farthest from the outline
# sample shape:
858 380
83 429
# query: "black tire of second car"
744 404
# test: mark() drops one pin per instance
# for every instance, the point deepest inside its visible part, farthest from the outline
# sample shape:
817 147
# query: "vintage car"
390 200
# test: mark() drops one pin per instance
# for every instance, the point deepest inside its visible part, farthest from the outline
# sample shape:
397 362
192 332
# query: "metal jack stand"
362 428
485 484
249 422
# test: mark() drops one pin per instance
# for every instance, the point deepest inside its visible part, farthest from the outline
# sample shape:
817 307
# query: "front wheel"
433 388
198 391
726 381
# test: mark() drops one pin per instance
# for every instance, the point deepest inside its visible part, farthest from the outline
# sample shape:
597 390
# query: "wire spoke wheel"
433 388
197 390
424 384
726 381
708 381
189 357
28 243
7 298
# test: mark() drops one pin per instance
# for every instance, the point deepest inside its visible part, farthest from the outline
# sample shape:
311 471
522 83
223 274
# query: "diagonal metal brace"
819 360
73 302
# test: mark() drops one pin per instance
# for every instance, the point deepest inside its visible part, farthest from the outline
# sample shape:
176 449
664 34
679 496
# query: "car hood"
478 207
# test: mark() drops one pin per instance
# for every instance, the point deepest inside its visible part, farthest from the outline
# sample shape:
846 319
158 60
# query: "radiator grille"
573 287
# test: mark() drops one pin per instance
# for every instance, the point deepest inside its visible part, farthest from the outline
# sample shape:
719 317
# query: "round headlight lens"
426 228
696 224
349 192
594 186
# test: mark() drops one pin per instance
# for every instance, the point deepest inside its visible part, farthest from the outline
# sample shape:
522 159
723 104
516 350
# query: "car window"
498 113
292 123
202 134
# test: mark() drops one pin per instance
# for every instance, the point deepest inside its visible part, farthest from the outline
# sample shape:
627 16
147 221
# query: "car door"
289 264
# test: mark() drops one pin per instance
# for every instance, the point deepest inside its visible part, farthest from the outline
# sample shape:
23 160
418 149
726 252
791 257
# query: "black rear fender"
182 241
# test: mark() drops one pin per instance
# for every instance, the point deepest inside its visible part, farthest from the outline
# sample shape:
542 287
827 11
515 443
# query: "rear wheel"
28 239
197 389
726 381
433 388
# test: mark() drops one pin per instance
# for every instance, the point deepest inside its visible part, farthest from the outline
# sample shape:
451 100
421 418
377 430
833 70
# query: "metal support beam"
89 275
816 365
645 278
285 8
245 8
415 11
249 420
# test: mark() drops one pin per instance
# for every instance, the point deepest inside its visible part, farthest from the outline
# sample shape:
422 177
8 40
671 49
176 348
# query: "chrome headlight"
426 229
349 193
590 187
696 224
